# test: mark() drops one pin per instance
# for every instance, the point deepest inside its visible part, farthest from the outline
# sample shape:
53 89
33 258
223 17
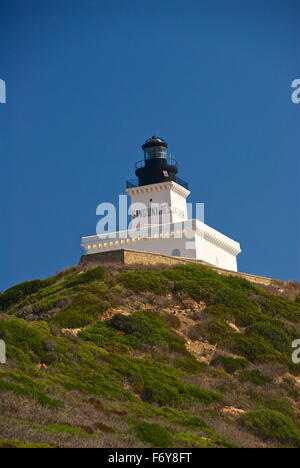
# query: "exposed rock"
72 331
201 350
234 327
109 313
40 366
236 412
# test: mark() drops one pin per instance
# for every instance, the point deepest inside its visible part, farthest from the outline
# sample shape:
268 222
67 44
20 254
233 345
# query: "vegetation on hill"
177 357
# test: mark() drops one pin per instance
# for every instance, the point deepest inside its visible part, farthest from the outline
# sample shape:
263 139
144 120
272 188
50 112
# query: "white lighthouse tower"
159 216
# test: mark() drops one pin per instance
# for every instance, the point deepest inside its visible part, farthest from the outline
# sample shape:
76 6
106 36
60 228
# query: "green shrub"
255 377
231 294
191 279
27 343
240 299
163 394
198 273
83 311
146 327
44 299
272 333
18 333
180 417
194 441
123 323
26 386
151 328
70 318
158 382
45 294
102 334
291 389
189 365
65 429
241 316
257 348
271 424
94 274
230 364
280 405
234 299
243 285
199 292
153 434
87 370
276 306
220 332
16 293
48 303
194 422
21 445
140 327
145 281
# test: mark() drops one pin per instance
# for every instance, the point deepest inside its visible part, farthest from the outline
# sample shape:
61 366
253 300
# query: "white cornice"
170 185
216 237
107 241
223 245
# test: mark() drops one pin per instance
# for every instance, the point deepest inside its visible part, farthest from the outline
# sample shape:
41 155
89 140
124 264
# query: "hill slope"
178 357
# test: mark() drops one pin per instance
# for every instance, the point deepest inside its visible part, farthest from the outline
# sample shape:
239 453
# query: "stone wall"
138 259
133 257
113 256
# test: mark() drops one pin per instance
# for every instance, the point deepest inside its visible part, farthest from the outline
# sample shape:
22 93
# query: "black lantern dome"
154 141
156 166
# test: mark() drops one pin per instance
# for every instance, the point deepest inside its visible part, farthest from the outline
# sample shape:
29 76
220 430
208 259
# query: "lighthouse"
157 187
159 216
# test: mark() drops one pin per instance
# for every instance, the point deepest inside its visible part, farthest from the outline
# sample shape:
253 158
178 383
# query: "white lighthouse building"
159 217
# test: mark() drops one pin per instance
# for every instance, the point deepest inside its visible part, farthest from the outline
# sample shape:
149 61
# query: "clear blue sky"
89 80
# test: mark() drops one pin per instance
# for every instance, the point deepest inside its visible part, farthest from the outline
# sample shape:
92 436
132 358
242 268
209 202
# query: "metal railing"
182 182
131 183
170 161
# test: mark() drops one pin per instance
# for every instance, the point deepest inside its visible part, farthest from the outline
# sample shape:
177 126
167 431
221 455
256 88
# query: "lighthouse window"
155 154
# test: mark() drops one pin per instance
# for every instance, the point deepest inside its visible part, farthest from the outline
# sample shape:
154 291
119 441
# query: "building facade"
159 216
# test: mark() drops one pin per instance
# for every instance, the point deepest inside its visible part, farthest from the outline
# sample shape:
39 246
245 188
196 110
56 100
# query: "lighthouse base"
190 239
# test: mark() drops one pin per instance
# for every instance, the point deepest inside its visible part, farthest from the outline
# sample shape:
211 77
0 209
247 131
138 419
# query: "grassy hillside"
180 357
